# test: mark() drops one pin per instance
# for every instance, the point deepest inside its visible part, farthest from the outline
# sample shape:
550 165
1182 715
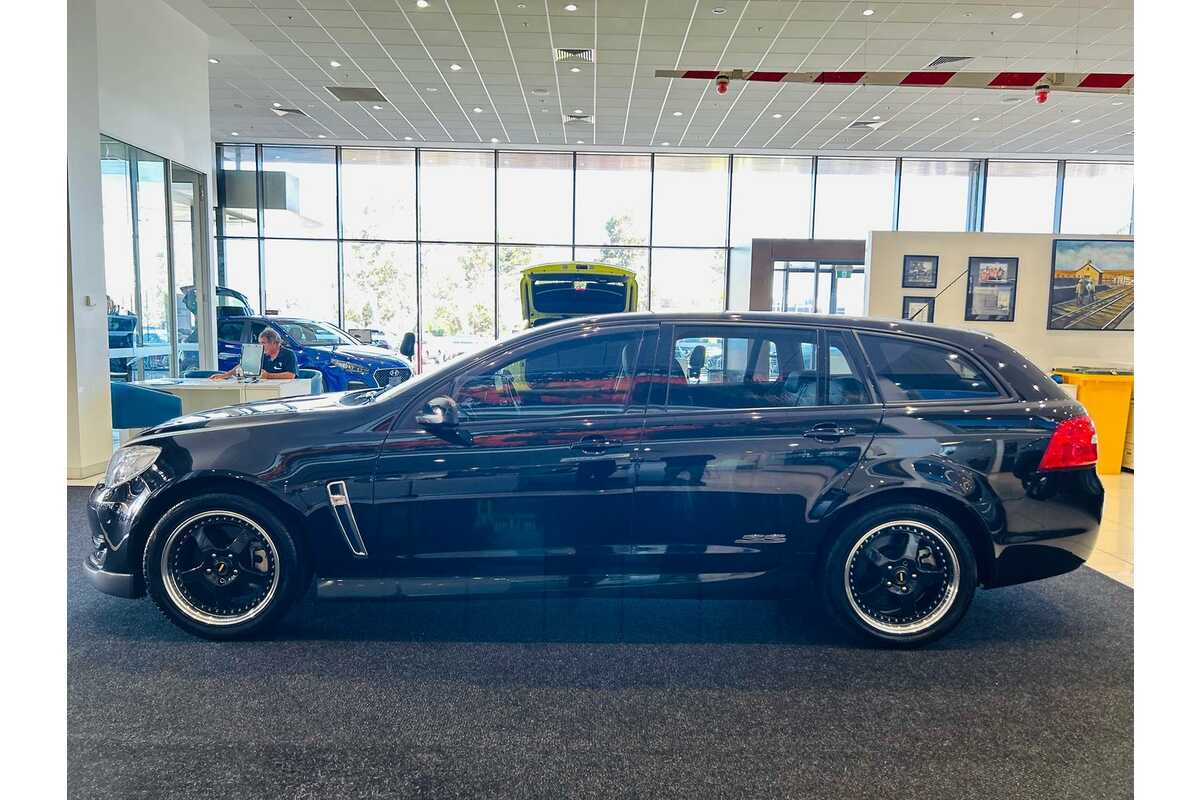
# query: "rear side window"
230 331
908 370
742 367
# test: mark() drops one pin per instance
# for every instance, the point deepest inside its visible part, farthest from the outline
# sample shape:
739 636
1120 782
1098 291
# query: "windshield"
314 334
572 294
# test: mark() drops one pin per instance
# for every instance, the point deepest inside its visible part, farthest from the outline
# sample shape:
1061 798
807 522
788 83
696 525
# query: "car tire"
222 566
900 575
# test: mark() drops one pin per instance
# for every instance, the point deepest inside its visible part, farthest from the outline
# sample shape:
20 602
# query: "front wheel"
221 566
903 575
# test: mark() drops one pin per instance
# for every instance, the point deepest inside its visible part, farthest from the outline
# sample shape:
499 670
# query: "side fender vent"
339 503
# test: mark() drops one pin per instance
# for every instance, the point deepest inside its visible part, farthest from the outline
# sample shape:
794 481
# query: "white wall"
153 80
137 71
1027 333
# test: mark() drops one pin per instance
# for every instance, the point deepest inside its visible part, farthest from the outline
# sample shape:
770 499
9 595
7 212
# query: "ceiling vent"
578 119
942 61
584 55
356 94
288 112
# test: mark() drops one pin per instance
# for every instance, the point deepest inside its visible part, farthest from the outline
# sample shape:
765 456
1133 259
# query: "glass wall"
1097 198
934 194
1020 197
151 224
434 241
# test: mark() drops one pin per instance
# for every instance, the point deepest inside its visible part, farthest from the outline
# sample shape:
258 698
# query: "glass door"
187 243
819 287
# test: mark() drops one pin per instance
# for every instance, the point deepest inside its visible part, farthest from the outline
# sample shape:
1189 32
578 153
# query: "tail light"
1073 444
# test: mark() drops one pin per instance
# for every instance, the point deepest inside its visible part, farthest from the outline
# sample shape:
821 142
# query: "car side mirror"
440 412
408 345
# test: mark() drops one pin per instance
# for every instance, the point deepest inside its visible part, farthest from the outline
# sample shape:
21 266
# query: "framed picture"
917 309
1091 285
920 272
991 289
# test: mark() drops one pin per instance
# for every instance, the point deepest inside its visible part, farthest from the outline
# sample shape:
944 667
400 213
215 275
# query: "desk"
201 394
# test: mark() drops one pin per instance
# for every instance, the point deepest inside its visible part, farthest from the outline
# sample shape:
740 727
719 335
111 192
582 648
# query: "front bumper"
114 565
118 584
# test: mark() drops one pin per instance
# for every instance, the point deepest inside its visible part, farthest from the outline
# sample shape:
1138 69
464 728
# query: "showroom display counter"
202 394
1107 395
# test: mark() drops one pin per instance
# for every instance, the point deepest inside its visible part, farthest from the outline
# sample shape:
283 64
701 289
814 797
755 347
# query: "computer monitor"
251 362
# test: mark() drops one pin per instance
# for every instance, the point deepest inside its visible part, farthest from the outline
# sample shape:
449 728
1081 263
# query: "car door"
750 432
533 487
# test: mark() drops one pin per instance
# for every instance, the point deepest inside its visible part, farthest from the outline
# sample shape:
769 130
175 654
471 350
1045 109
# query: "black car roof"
953 335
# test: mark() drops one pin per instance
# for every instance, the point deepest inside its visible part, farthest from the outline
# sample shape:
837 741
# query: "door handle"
828 432
594 444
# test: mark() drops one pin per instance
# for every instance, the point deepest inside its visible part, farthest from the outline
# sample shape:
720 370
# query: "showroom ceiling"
483 71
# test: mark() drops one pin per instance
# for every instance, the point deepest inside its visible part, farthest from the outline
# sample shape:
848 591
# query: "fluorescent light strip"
517 72
670 81
633 78
478 73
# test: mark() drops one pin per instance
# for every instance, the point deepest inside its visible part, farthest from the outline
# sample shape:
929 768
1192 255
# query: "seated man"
278 363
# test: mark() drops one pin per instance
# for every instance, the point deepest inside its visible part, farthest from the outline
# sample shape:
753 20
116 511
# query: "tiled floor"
1113 555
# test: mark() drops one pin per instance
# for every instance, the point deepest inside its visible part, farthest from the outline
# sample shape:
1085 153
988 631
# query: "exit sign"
845 273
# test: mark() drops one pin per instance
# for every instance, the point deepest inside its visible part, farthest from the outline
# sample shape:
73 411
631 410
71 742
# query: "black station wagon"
895 466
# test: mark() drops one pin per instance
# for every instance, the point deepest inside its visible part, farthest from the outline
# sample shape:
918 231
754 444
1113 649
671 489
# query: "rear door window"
742 367
909 369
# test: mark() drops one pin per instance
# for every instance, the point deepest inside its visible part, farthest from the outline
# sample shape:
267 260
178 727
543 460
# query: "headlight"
129 462
349 367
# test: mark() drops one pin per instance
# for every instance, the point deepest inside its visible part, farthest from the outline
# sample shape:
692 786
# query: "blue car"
344 362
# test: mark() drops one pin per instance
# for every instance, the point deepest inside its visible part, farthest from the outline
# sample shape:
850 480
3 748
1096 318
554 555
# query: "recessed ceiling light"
408 138
520 5
320 136
1093 151
574 69
570 7
234 133
277 105
1076 121
431 88
377 108
1118 102
335 63
1016 15
455 67
718 11
214 60
777 116
477 110
676 113
665 144
875 117
494 140
975 119
422 3
867 12
577 111
579 141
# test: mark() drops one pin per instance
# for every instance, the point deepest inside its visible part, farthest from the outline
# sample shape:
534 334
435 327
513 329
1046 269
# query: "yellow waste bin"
1106 394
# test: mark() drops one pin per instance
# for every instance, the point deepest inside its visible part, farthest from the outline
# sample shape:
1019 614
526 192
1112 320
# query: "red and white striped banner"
1102 82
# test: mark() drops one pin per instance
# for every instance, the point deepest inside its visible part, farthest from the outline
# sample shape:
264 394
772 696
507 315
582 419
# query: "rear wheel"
222 566
902 575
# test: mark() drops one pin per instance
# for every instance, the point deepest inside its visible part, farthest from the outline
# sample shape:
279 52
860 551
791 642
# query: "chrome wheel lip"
184 605
933 617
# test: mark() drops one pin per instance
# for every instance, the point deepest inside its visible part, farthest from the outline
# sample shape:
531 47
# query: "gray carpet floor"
1031 698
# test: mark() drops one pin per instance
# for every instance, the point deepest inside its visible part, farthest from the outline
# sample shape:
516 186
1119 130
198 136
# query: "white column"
89 416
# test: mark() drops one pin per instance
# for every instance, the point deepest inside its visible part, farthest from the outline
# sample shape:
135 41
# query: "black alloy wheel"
222 566
901 575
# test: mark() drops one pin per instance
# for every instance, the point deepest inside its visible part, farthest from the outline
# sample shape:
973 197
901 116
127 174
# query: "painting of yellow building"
1092 285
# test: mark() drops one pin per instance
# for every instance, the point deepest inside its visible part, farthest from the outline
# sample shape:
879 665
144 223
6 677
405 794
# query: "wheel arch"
958 510
160 503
